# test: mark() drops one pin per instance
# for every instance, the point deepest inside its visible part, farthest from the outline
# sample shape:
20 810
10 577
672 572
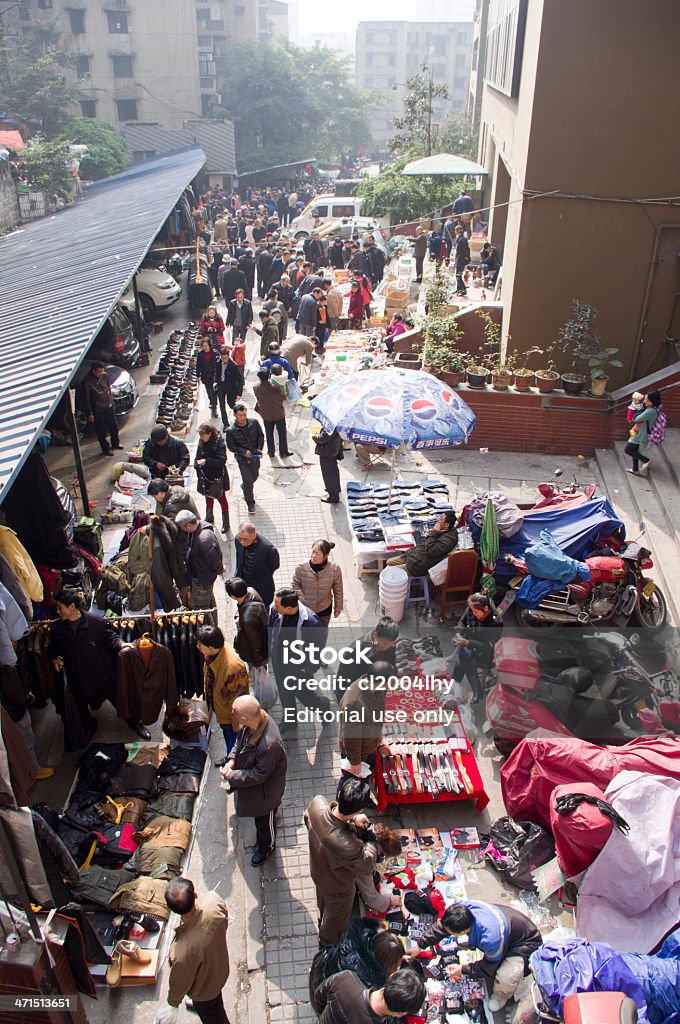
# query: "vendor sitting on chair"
473 654
429 550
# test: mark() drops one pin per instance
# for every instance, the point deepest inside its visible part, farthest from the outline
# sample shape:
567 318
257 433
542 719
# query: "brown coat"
336 853
361 721
141 690
318 590
297 347
334 303
231 681
270 401
198 957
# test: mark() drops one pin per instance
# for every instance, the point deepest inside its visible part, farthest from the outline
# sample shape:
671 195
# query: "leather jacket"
251 641
336 853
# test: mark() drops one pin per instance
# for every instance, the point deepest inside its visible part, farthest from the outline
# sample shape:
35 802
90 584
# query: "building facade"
477 68
388 53
576 97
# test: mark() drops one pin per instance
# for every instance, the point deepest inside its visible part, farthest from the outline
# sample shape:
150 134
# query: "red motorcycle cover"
605 567
537 765
580 835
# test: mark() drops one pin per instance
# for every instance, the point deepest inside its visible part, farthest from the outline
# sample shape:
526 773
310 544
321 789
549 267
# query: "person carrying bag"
211 469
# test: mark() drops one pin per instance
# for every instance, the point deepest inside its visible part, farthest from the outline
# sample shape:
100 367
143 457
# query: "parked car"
116 341
326 208
351 226
157 290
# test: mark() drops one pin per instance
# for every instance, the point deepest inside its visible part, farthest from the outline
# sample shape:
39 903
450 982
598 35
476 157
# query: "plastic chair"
418 597
461 577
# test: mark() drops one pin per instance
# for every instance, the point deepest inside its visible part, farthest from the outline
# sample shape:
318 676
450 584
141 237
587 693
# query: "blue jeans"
229 736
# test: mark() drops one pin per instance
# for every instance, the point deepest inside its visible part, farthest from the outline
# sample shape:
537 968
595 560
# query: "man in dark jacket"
245 438
329 450
342 999
314 251
376 258
246 263
87 647
163 451
359 262
170 498
337 854
308 311
256 772
429 550
505 936
335 254
461 258
269 331
379 644
263 262
290 620
231 277
239 315
229 383
99 409
251 642
419 250
203 558
256 561
478 630
270 399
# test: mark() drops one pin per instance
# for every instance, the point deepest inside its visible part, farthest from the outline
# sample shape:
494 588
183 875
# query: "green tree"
44 166
287 104
403 197
413 130
107 151
458 136
33 82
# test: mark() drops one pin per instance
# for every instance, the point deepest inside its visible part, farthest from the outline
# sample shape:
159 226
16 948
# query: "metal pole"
429 114
141 333
75 444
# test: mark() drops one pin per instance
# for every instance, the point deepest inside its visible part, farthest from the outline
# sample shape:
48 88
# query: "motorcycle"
553 494
617 593
540 685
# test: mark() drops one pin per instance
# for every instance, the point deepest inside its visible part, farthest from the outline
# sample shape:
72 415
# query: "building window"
127 110
45 5
206 65
207 100
205 41
88 108
77 20
118 22
82 66
207 83
24 13
504 44
122 67
202 14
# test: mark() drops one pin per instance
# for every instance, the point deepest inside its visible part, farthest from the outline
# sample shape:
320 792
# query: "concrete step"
670 453
618 490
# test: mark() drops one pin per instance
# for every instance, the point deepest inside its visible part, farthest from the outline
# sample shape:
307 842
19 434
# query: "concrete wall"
162 42
9 203
593 118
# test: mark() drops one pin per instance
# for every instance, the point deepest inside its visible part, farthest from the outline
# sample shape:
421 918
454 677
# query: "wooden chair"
461 577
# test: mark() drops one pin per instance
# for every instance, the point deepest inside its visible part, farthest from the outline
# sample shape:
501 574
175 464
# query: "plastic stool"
418 597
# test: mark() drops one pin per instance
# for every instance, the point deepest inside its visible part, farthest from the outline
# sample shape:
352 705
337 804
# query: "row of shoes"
176 403
408 653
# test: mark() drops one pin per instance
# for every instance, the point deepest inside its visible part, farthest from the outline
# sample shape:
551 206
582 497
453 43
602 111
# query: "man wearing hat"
203 558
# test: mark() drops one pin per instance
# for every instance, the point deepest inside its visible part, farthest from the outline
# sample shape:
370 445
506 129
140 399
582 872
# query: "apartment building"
388 53
577 133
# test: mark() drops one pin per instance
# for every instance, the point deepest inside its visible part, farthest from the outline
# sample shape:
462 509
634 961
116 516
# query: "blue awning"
61 276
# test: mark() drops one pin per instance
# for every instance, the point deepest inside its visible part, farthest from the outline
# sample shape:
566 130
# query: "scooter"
539 688
552 494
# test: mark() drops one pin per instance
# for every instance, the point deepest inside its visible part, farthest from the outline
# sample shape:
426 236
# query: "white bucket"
395 609
392 591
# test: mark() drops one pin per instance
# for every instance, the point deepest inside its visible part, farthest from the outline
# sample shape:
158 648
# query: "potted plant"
436 294
598 364
578 341
524 376
501 372
441 356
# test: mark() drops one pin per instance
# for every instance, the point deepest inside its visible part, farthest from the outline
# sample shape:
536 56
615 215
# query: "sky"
343 17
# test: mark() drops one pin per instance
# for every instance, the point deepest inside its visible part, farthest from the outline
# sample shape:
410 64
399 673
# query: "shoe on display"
145 921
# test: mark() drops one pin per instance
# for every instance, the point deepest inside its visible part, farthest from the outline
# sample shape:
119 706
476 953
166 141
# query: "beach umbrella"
489 547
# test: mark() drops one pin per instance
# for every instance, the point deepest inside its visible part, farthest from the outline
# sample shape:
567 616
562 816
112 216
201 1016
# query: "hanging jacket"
13 626
141 689
21 562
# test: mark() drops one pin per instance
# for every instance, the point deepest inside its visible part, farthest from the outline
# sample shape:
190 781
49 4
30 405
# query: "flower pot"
523 381
546 381
598 386
407 361
572 385
476 377
501 379
452 377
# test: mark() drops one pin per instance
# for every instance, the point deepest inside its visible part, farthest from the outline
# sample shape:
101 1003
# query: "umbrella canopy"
444 164
489 546
390 407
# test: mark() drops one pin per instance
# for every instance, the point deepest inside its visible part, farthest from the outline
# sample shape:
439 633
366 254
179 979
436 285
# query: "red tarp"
538 765
582 833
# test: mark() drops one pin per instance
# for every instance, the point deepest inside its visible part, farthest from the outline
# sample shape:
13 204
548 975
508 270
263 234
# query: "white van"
326 208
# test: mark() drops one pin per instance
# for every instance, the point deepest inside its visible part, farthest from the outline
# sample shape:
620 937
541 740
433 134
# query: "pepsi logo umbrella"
390 407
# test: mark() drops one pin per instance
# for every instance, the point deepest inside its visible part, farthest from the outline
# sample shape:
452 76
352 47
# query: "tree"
32 79
107 152
288 104
414 127
44 166
405 197
458 136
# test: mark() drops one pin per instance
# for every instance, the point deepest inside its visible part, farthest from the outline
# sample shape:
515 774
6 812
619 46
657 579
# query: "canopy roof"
444 164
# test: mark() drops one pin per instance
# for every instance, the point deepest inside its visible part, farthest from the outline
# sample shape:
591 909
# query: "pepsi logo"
450 399
424 409
351 391
379 406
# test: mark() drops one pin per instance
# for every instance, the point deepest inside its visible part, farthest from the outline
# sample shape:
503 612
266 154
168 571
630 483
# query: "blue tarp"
575 529
576 965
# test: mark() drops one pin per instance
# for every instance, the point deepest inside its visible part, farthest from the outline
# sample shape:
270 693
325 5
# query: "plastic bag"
509 517
469 724
294 390
263 688
517 847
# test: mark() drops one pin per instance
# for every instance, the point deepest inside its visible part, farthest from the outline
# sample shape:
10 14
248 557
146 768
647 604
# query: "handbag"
263 687
213 488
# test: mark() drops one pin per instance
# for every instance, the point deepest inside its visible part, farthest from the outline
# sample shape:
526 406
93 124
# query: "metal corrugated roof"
59 279
216 138
278 167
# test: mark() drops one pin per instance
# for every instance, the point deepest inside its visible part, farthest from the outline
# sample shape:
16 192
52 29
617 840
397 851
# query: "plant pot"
598 386
501 379
407 361
572 385
546 381
523 381
452 377
477 376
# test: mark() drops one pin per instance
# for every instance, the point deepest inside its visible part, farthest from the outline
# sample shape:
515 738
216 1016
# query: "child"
636 406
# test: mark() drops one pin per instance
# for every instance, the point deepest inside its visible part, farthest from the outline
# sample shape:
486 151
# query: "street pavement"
272 933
